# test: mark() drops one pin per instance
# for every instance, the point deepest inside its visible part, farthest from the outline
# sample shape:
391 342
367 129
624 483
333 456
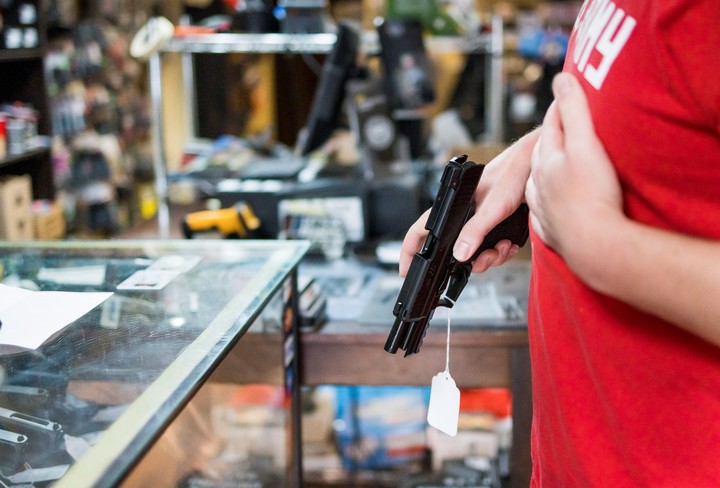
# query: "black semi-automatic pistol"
435 278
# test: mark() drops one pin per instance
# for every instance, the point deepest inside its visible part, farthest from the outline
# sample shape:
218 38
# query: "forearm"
670 275
511 168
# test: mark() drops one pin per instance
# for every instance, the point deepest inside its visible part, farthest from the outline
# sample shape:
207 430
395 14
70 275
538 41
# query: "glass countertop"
173 312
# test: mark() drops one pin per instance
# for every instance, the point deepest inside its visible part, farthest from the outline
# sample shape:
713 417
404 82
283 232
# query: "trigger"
456 284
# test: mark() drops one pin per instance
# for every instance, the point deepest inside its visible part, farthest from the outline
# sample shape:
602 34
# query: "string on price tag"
444 408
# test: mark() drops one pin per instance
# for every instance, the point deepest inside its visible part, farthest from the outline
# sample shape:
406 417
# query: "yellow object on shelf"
237 221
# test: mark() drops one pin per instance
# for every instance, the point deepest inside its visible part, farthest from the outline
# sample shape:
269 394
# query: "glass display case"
82 403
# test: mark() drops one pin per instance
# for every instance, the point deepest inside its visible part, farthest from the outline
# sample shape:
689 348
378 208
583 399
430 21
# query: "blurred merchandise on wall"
99 105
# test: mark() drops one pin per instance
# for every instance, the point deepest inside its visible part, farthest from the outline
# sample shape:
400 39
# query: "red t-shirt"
622 398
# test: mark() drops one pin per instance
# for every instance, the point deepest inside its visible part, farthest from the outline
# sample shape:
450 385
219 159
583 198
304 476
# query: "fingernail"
514 249
561 84
461 251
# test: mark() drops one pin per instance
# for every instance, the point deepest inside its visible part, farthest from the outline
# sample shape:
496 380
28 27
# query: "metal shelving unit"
308 43
252 43
223 43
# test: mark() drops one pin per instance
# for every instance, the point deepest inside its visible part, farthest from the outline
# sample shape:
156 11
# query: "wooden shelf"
22 54
22 80
34 153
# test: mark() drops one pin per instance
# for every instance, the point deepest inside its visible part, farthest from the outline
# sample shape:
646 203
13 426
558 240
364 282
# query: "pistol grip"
515 228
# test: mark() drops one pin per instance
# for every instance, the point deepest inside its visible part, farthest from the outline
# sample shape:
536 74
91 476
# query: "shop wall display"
100 116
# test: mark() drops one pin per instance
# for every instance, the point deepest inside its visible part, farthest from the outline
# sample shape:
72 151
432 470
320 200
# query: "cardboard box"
16 218
49 220
379 427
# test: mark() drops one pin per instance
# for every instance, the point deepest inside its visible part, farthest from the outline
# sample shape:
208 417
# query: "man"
623 184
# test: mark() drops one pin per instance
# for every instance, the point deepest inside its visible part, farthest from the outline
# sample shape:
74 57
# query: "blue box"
381 427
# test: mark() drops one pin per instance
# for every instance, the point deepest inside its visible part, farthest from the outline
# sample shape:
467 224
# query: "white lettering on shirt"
604 29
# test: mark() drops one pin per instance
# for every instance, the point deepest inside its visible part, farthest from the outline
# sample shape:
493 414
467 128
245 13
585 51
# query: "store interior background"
89 148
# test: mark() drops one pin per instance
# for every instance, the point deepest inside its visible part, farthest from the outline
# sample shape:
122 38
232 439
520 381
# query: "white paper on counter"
29 318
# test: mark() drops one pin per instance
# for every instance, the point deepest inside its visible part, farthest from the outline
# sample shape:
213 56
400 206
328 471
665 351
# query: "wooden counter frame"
479 357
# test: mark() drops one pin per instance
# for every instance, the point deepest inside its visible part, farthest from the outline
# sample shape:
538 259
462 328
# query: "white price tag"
444 408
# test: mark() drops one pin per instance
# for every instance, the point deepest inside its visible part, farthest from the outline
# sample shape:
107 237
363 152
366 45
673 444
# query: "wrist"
599 251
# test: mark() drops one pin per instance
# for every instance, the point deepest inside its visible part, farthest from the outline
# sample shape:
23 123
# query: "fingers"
552 138
547 150
538 228
573 110
412 243
571 175
567 121
416 235
500 254
548 160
